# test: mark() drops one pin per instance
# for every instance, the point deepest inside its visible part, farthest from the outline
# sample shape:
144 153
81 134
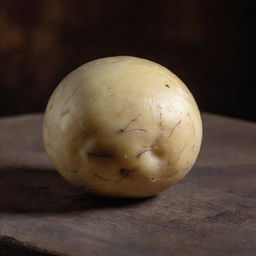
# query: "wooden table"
212 211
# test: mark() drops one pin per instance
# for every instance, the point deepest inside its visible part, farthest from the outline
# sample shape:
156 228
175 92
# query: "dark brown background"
209 44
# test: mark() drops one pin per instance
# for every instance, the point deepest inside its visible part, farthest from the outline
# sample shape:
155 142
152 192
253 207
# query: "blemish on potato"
173 129
135 129
95 154
100 177
125 128
194 129
160 119
143 152
158 152
71 95
168 86
65 112
125 172
83 128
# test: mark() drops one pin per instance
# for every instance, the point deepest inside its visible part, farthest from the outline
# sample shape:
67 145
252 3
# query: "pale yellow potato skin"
123 127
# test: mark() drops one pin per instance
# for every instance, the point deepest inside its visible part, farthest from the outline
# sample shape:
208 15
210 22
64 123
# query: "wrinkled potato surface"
123 127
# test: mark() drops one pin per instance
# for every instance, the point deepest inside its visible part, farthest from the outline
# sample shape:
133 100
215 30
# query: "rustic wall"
209 44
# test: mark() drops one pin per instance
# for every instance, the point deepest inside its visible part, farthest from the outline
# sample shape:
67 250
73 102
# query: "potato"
122 127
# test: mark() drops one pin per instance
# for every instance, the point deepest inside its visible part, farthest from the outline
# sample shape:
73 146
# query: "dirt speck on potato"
125 172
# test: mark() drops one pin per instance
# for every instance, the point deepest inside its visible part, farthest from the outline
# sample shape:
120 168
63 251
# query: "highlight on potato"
122 127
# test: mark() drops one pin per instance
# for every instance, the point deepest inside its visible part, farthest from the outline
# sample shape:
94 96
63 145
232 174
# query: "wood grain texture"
212 211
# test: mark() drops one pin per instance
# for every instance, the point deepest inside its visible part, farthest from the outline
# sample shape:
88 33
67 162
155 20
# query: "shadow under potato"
44 190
